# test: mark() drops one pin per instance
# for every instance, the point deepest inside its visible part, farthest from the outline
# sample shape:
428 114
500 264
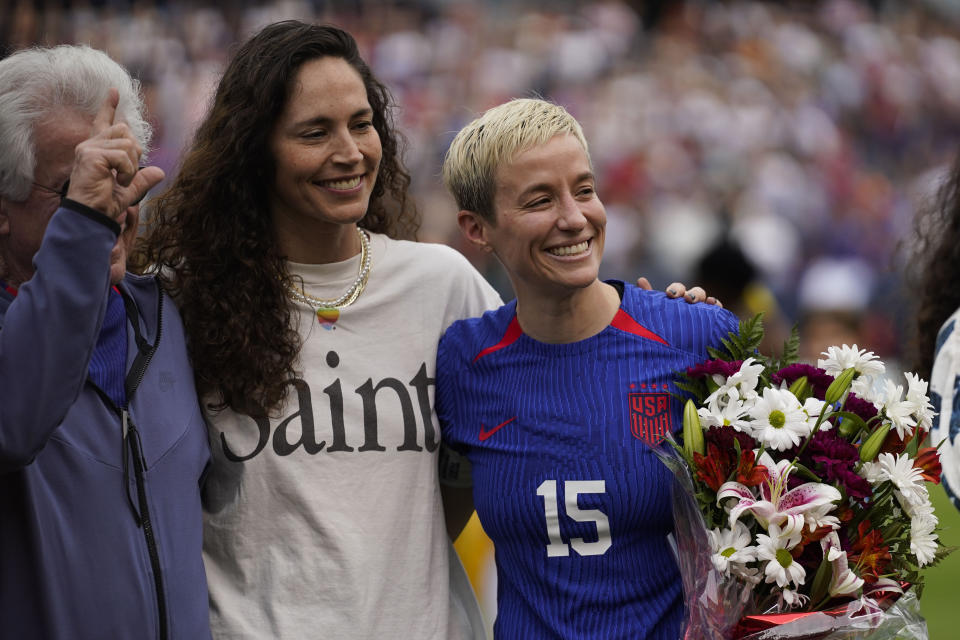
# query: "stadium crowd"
805 134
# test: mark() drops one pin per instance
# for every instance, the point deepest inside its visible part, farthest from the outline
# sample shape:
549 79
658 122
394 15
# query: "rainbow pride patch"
328 317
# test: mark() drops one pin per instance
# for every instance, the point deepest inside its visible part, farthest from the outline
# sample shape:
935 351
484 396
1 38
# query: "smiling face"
550 224
327 154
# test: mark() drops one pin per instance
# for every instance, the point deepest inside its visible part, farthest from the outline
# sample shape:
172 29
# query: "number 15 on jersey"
551 511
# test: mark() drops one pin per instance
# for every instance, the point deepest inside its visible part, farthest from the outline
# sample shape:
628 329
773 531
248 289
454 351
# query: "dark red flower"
844 513
859 406
928 460
714 468
711 367
827 442
749 473
894 444
818 378
869 553
833 458
724 436
806 537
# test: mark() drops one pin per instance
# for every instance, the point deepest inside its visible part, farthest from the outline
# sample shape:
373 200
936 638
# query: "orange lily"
928 461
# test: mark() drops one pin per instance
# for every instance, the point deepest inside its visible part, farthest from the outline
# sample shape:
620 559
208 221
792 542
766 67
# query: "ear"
474 229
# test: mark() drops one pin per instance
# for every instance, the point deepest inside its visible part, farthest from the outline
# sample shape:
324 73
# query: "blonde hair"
496 137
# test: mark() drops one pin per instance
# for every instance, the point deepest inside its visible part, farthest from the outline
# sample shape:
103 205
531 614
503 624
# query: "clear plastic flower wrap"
901 620
801 507
714 603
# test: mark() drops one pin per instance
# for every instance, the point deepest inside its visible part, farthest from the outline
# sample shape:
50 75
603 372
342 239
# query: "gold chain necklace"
323 308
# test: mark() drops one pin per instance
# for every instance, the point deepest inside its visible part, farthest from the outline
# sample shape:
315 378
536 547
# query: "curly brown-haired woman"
937 256
313 331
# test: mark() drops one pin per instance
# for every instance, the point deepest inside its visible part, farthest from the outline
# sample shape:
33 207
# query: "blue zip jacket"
91 547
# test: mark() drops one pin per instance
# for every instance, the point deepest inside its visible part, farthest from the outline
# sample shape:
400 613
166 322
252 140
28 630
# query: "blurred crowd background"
773 152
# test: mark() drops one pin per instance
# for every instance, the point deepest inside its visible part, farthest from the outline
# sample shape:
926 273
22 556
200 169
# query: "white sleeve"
945 385
469 294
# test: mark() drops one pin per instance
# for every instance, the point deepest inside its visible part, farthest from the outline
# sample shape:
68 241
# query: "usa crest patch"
649 416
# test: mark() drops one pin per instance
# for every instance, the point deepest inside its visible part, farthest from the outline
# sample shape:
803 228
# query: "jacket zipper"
139 466
144 356
130 434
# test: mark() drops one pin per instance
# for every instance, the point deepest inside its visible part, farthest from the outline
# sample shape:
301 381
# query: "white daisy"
778 420
872 473
908 480
869 389
731 547
747 377
923 541
922 509
841 358
812 408
916 388
732 412
897 410
917 394
740 387
781 567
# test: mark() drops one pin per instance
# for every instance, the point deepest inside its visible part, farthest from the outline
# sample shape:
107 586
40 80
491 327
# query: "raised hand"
106 174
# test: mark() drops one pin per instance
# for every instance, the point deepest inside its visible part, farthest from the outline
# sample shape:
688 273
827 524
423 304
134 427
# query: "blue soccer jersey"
564 482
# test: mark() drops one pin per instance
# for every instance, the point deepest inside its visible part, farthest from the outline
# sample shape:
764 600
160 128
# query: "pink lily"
776 504
843 581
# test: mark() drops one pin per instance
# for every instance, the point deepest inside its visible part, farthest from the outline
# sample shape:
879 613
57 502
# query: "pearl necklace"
350 295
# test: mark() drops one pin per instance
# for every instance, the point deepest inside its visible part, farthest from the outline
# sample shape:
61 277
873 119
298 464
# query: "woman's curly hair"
936 256
210 236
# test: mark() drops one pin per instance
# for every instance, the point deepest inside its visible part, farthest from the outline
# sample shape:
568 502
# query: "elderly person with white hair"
102 443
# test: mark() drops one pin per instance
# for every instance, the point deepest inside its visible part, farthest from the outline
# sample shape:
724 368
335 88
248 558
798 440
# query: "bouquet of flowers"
803 509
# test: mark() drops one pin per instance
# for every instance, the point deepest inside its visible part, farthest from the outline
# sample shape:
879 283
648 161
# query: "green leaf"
941 553
744 343
806 473
801 389
839 386
791 349
696 388
858 422
871 448
821 581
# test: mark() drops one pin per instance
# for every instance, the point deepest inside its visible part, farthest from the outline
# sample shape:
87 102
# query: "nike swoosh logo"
484 434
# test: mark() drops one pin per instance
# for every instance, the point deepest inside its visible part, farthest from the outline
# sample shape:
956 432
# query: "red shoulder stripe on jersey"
624 322
509 337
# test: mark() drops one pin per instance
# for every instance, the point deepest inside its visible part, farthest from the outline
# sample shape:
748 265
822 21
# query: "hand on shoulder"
679 290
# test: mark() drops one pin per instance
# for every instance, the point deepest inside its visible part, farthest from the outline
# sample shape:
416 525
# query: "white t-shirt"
326 522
